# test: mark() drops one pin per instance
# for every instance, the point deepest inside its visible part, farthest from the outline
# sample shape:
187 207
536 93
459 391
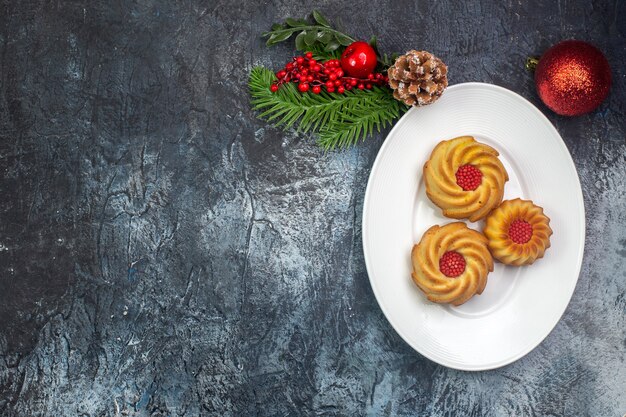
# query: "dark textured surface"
165 253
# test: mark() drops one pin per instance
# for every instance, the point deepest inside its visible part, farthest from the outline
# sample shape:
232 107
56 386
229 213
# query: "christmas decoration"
315 76
359 59
418 78
572 77
342 113
342 95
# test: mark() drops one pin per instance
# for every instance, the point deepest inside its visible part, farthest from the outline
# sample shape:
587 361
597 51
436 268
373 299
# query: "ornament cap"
531 63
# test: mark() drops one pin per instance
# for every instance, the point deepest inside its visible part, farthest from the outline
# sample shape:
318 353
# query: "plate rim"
581 248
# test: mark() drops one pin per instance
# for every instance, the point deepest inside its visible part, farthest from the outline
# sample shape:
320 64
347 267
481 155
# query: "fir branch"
359 121
341 119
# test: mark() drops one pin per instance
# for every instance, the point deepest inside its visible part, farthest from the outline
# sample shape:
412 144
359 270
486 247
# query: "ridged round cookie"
458 157
427 257
518 232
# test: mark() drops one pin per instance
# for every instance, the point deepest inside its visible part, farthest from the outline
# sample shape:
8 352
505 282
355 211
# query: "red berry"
317 68
281 74
273 88
316 89
339 73
361 86
353 82
312 62
337 83
309 78
329 84
309 55
520 231
370 76
468 177
340 90
330 89
332 77
304 71
303 87
289 66
299 60
368 86
452 264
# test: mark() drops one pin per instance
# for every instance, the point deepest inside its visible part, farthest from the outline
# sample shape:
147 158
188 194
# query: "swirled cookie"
451 263
465 178
518 232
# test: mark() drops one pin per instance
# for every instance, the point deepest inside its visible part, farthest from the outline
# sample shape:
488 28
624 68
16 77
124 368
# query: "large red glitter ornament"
572 78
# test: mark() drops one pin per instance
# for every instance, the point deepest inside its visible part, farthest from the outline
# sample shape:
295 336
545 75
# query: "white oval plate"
520 305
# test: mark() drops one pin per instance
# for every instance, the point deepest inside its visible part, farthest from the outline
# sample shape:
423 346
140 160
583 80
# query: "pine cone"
418 78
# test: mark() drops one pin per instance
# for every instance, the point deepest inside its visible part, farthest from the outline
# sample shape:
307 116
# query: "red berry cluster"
311 75
468 177
452 264
520 231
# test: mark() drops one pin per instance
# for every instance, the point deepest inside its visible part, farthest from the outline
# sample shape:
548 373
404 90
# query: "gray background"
163 252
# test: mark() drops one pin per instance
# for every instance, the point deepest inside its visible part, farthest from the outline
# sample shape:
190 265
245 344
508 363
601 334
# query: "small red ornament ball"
359 59
573 78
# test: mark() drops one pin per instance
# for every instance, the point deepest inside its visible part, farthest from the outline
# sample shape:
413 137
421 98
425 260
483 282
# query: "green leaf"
324 37
320 19
343 39
373 42
277 26
385 61
300 43
278 37
332 46
295 23
310 37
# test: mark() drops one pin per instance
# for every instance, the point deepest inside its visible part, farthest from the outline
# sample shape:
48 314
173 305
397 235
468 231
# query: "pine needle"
341 119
